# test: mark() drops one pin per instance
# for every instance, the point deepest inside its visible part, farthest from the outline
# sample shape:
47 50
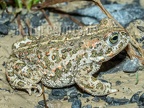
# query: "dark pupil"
115 37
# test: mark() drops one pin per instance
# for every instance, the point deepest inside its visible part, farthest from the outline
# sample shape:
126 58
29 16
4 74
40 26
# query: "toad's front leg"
24 77
90 84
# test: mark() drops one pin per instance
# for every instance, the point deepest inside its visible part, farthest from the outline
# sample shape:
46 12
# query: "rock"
131 66
85 95
135 98
76 104
57 94
109 100
71 89
3 29
41 103
118 83
96 99
35 21
73 96
122 13
115 102
141 100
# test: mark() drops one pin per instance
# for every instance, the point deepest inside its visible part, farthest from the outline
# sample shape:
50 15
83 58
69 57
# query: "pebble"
141 100
116 102
118 83
76 104
57 94
73 96
35 21
84 95
135 98
3 29
71 89
131 66
96 99
41 103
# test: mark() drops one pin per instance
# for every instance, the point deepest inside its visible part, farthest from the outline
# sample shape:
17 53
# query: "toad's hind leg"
24 80
90 84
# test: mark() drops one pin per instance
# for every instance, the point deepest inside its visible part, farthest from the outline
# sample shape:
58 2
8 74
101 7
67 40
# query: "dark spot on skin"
63 50
72 43
69 49
74 51
69 65
120 45
123 33
10 74
63 56
100 86
53 57
94 54
108 51
80 44
20 83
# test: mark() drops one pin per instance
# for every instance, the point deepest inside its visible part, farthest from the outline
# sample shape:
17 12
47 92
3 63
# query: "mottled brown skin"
60 61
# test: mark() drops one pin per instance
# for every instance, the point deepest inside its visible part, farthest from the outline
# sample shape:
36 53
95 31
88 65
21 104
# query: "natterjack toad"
59 61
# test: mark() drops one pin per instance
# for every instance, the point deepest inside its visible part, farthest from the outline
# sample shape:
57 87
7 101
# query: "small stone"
109 100
120 101
76 104
85 95
96 99
135 98
118 83
3 29
131 66
17 32
35 21
73 95
59 92
141 100
70 90
113 101
41 103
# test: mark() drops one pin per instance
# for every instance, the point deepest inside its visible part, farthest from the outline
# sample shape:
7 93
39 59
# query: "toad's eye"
113 39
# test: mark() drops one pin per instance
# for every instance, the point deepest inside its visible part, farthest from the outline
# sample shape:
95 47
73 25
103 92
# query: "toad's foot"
22 84
24 76
90 84
94 86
